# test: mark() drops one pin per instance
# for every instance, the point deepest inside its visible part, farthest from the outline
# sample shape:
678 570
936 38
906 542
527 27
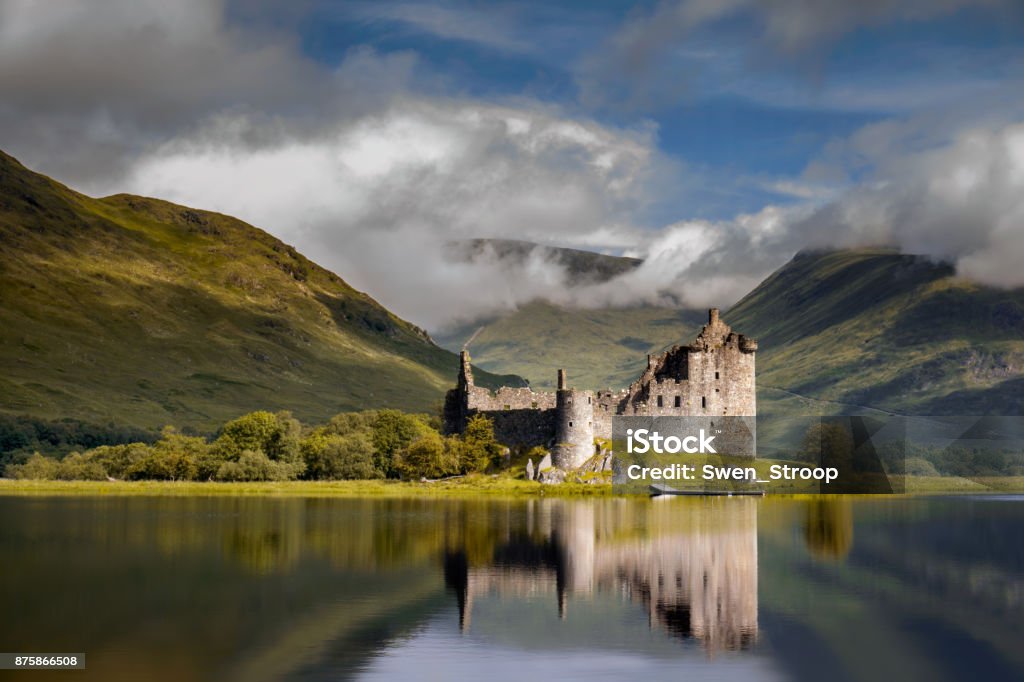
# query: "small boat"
662 489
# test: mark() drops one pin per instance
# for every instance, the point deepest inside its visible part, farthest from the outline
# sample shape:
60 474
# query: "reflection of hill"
933 588
696 579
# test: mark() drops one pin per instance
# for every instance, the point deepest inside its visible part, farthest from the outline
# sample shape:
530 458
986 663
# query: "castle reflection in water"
693 567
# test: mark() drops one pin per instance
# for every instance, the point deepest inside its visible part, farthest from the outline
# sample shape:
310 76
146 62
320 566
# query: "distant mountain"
142 312
582 267
598 348
849 331
895 332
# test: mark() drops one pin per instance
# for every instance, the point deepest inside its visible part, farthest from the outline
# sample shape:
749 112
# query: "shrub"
254 465
919 466
339 457
37 467
120 461
79 467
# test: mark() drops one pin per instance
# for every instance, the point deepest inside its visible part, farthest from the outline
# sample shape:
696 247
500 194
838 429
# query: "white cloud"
487 27
963 201
370 175
378 197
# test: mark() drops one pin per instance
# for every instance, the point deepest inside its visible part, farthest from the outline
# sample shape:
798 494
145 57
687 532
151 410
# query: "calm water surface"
333 589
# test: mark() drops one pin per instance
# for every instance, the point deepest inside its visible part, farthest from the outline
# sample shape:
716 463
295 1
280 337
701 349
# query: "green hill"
141 312
850 331
895 332
598 348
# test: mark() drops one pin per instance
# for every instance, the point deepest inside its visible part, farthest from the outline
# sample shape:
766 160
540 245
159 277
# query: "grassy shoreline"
470 486
465 487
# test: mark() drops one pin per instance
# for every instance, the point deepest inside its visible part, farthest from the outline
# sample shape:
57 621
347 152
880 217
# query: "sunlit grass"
479 485
499 486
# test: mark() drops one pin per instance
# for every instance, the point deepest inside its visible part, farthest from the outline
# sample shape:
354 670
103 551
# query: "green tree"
175 457
339 457
393 431
36 467
429 456
276 436
830 442
346 423
919 466
479 447
122 462
351 457
79 467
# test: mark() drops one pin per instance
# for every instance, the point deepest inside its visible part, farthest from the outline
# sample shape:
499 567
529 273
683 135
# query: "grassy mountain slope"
852 331
598 348
142 312
894 332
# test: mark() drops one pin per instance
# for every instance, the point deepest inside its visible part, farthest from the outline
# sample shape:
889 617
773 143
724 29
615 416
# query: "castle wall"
524 427
607 404
712 377
721 383
506 398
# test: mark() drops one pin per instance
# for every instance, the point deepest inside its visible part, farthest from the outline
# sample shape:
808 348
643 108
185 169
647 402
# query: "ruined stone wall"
521 416
721 383
712 377
524 427
607 404
506 398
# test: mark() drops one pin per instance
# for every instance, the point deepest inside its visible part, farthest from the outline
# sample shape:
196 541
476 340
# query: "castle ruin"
712 376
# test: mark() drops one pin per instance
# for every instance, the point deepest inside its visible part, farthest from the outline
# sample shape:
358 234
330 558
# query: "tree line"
264 446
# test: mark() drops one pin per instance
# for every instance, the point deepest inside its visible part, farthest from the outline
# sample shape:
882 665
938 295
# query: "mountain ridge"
839 330
144 312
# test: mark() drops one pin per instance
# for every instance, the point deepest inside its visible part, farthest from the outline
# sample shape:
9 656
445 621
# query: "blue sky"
712 138
721 97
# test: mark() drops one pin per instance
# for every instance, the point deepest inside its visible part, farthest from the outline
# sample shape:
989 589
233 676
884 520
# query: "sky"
713 138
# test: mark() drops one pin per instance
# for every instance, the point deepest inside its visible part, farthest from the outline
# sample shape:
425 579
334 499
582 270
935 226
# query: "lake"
215 588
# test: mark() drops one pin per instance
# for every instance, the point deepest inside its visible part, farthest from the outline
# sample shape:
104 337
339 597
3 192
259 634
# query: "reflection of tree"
828 440
828 528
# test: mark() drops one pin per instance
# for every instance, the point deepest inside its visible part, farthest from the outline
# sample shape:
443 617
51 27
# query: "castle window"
716 375
704 402
589 401
679 401
717 391
570 424
659 401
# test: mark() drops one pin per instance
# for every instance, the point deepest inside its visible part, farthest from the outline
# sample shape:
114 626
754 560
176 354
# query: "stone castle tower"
714 376
574 426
